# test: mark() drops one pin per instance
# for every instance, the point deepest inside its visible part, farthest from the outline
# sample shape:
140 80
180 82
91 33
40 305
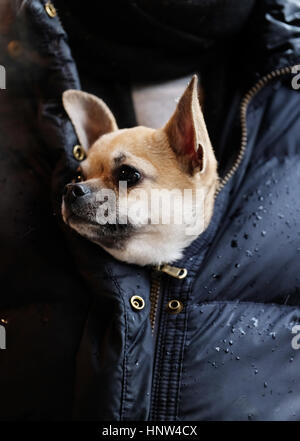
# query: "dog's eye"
129 174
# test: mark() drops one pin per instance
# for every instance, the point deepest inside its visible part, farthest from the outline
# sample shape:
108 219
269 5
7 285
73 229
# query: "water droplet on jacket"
216 276
256 371
246 236
263 233
226 350
217 349
237 265
265 384
273 335
249 253
260 207
230 342
291 359
237 357
234 243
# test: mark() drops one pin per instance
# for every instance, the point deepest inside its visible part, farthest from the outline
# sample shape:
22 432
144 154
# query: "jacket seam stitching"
124 385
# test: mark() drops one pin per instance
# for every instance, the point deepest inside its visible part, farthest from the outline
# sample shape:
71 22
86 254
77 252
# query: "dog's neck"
155 102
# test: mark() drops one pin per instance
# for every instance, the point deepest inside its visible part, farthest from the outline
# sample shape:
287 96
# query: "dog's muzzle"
80 208
72 192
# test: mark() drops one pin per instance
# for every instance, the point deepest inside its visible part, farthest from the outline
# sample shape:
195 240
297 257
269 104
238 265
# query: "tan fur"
158 155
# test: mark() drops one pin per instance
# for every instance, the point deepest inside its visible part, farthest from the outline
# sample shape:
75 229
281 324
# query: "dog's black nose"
74 191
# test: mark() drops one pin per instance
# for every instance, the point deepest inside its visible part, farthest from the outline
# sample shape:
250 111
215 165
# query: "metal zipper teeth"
243 115
156 277
154 296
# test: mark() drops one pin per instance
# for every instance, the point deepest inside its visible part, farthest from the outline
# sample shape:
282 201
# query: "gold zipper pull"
173 271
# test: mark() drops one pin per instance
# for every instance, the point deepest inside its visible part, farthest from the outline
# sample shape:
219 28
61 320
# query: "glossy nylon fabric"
76 348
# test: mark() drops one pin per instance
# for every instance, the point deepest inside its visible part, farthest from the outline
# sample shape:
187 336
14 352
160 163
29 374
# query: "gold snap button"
137 302
14 48
174 306
78 152
50 9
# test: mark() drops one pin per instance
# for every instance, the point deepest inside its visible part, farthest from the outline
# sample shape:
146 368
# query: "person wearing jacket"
76 348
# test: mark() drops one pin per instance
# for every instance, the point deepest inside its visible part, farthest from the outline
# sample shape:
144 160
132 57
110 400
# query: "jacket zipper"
243 116
181 273
154 296
173 271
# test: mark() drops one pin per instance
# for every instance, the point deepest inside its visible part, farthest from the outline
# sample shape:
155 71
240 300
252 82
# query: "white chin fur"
148 249
152 245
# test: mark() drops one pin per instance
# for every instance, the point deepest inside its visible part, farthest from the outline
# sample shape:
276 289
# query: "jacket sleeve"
35 132
43 302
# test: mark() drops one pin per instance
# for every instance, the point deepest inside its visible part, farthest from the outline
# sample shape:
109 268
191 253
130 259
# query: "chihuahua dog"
177 156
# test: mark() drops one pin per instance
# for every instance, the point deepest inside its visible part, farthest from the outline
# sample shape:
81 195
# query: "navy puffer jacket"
218 344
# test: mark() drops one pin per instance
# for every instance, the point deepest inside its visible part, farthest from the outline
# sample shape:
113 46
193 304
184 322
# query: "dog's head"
132 189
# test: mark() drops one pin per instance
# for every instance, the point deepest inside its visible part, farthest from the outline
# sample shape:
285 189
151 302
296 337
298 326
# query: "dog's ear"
187 133
90 116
